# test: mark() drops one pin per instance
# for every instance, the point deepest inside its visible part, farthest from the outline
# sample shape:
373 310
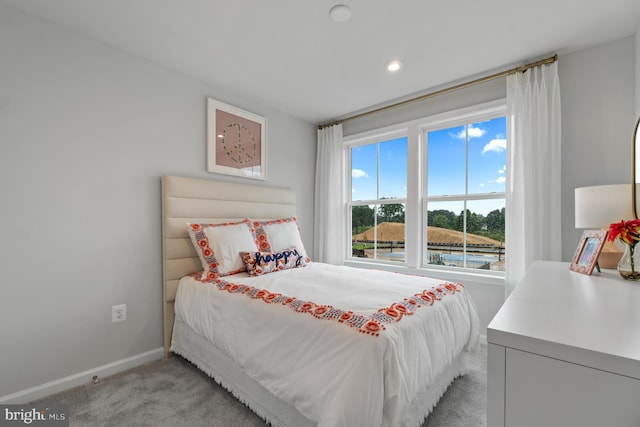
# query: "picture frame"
588 251
236 141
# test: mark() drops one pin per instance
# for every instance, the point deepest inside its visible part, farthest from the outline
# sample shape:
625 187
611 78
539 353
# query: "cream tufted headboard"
206 201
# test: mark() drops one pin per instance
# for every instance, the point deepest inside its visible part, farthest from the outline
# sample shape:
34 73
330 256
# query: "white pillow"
278 235
219 246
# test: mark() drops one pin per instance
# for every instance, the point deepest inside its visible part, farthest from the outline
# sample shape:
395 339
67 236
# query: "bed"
295 350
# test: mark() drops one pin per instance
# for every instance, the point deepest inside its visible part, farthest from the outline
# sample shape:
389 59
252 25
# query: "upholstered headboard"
206 201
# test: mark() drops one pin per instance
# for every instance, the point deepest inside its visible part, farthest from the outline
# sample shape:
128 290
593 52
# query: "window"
378 194
465 195
431 193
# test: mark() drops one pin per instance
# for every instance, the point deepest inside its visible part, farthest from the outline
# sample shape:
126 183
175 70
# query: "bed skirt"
209 359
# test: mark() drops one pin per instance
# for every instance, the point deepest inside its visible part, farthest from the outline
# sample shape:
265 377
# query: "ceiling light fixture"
340 13
393 65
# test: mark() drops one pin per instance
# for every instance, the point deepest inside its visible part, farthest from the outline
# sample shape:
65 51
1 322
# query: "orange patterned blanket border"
370 325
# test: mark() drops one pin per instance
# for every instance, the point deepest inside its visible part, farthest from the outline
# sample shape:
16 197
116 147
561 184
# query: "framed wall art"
588 250
236 141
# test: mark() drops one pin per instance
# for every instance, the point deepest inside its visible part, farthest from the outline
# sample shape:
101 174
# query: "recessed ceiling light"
340 13
393 65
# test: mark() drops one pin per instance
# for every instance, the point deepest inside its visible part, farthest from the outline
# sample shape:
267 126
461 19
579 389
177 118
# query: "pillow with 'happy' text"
258 263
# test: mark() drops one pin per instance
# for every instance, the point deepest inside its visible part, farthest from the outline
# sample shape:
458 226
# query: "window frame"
416 197
374 138
456 120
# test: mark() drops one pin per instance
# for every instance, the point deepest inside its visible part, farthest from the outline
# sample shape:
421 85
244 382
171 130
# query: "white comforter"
333 373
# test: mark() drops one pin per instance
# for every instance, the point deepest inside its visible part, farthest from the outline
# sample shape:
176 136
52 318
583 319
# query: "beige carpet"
173 392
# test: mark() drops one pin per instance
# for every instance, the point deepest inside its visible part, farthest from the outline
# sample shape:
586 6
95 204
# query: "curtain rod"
522 68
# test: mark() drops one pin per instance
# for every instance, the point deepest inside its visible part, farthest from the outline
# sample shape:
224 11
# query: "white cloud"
476 132
499 180
496 145
359 173
473 133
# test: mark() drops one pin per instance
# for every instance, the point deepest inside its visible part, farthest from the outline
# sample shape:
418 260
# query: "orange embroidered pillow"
258 263
219 246
279 234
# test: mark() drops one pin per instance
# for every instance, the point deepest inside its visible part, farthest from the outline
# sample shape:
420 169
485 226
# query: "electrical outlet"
119 313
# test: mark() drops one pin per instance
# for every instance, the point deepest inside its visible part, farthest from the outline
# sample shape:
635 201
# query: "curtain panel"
330 215
533 199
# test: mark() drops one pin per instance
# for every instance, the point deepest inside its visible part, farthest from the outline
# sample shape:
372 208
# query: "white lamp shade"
601 205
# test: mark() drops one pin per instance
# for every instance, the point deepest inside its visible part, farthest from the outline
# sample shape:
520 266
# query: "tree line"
491 225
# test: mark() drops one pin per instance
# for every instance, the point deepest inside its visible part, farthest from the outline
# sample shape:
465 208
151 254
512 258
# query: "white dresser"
564 351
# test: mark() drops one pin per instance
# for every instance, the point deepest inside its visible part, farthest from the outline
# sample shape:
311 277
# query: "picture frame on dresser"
588 250
236 141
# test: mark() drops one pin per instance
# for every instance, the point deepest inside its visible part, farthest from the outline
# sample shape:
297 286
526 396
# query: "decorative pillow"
267 262
219 246
279 234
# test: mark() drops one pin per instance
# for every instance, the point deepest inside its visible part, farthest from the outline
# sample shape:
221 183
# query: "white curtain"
329 230
533 211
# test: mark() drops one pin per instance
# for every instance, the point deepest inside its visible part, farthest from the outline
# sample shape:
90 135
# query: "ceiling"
291 56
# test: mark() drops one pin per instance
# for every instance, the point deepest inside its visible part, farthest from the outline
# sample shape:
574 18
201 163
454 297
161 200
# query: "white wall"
86 131
637 71
473 95
597 87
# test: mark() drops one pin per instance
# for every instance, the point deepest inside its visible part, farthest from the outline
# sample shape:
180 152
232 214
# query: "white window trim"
483 278
444 121
415 202
369 138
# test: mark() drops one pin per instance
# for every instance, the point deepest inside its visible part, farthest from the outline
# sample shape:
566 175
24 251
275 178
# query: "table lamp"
598 207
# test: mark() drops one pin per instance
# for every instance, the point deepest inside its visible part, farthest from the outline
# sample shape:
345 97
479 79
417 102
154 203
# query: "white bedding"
338 375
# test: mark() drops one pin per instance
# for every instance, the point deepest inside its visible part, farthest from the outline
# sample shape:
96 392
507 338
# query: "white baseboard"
81 378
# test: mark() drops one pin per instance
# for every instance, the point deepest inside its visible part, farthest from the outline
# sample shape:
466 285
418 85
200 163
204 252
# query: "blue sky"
445 169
